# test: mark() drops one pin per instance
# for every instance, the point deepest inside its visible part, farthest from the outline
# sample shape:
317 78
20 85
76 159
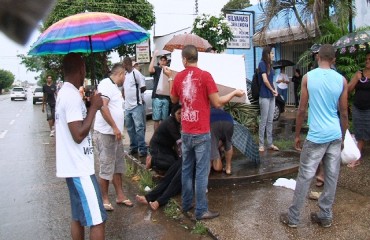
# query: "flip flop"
353 164
126 203
108 207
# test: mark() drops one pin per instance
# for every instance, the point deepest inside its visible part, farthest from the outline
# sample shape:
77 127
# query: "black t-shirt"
156 75
50 93
166 135
361 97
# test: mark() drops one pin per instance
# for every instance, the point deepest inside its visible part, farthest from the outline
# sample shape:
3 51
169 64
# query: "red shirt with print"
193 86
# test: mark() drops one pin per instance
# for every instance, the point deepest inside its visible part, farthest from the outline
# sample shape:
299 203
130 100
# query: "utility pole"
196 7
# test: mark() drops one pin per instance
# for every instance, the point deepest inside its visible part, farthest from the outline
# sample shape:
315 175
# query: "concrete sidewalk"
250 206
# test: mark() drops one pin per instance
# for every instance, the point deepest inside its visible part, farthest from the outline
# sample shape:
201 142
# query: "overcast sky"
171 15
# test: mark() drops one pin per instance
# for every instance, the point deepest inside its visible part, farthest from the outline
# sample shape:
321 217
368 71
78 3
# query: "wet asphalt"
34 204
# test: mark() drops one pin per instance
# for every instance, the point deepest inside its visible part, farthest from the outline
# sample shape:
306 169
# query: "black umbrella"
282 63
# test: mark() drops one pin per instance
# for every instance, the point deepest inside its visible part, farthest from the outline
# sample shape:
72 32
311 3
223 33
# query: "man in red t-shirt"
196 90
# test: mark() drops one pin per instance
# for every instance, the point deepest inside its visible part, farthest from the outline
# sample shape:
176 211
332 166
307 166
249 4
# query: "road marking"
11 122
3 133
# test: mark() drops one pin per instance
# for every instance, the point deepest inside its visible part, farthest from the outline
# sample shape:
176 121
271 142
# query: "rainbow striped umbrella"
88 32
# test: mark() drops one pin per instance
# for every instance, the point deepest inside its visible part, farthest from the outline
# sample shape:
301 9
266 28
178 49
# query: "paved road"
34 204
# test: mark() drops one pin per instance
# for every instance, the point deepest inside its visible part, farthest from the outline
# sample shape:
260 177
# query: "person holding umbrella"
360 83
283 81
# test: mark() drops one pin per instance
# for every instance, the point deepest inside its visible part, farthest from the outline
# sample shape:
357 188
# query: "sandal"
261 149
353 164
273 147
108 207
126 203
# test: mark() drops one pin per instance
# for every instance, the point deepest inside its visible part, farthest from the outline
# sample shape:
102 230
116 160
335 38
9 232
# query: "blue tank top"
324 89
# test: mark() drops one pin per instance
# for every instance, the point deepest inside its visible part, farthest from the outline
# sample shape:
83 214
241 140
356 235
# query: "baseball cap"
315 48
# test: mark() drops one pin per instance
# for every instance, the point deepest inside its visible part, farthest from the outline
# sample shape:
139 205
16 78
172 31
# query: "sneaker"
208 215
52 133
285 219
143 154
322 222
132 151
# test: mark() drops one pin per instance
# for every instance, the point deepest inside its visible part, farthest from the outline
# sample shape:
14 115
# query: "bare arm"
151 65
80 129
108 118
171 76
301 112
352 84
218 101
343 108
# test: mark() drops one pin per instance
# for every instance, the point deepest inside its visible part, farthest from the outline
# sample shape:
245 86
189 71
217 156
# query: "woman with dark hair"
297 79
165 141
266 99
163 145
361 106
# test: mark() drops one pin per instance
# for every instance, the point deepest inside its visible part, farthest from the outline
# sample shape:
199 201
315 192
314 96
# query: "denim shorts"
161 109
86 201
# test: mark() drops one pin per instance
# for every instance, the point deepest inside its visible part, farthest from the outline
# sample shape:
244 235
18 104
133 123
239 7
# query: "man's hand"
117 133
155 53
167 71
96 101
297 144
239 93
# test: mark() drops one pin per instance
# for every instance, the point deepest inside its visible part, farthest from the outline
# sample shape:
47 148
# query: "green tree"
6 79
139 11
236 4
215 30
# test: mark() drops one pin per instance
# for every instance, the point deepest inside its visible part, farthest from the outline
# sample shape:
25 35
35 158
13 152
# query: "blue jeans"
267 108
196 153
311 155
284 93
135 124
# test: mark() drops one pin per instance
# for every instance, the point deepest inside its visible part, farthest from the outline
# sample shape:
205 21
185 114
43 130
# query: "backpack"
256 86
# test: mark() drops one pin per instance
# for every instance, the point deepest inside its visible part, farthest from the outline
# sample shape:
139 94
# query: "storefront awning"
282 35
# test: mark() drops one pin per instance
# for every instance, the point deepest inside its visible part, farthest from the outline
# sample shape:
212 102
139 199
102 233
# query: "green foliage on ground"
172 210
199 228
146 179
130 171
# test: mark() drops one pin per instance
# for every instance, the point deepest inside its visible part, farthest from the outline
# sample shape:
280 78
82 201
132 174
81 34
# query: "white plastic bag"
350 150
163 87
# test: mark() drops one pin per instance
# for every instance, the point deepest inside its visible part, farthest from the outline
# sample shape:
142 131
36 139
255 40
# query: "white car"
18 92
37 95
148 95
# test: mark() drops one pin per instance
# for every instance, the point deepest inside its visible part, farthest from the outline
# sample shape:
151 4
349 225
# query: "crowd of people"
186 145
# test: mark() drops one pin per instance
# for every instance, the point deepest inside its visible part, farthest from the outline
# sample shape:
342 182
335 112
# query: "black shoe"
132 151
322 222
285 219
144 154
208 215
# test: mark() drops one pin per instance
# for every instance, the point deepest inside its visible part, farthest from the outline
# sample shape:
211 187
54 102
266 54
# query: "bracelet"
170 79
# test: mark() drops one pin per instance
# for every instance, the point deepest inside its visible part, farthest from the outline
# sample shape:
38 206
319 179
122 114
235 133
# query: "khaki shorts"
110 154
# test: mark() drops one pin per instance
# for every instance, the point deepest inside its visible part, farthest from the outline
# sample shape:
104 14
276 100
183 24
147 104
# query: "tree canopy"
139 11
236 4
6 79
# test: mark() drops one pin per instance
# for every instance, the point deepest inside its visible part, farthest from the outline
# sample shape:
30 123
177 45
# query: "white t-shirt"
108 88
130 88
73 159
285 78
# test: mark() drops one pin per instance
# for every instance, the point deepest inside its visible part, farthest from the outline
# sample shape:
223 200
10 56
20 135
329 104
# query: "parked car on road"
279 101
37 95
18 92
